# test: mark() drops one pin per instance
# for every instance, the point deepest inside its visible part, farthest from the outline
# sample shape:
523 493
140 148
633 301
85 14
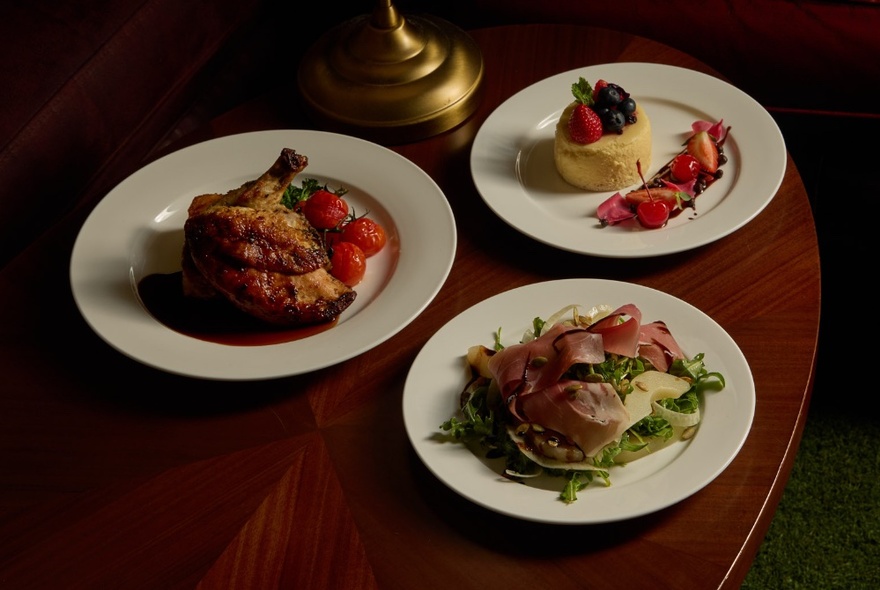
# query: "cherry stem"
647 190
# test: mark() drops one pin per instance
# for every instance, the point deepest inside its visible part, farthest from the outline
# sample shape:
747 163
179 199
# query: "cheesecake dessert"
600 137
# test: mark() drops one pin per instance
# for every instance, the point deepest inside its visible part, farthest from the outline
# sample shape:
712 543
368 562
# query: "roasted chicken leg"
263 257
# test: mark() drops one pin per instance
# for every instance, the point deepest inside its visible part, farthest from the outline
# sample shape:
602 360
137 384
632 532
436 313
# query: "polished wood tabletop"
117 475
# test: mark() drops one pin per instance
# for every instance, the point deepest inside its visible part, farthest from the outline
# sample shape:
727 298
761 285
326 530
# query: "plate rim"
440 460
395 305
770 151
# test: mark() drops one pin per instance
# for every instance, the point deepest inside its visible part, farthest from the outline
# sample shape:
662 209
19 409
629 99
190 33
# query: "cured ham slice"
522 368
624 334
590 414
531 378
619 335
657 345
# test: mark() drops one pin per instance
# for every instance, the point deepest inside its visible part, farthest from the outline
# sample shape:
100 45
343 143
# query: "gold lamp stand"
391 79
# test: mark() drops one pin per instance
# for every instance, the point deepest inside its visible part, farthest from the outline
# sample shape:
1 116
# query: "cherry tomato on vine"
331 238
368 235
324 210
349 263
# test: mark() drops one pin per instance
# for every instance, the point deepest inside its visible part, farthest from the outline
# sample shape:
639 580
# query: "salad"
581 392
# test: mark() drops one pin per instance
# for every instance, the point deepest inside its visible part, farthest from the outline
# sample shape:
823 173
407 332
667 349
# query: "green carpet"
825 534
826 531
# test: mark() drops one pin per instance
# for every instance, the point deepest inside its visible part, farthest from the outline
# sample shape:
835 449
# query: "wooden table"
113 474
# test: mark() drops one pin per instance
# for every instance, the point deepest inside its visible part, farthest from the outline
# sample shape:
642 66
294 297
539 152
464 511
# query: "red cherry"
684 167
652 214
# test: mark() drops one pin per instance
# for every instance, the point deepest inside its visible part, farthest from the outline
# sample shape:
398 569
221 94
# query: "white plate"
137 229
513 169
439 374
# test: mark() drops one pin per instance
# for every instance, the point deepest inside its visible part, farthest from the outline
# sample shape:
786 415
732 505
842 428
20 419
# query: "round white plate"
137 229
513 169
439 374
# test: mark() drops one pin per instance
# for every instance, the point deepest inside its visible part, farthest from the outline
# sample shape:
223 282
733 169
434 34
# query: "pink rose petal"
687 187
614 210
716 130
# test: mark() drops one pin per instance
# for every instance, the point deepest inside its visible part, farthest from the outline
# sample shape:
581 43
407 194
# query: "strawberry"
702 147
600 84
672 198
584 124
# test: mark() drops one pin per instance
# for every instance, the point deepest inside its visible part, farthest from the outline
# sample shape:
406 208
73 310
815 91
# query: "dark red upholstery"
792 54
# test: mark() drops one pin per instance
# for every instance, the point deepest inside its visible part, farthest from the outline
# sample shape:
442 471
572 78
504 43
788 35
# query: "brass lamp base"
391 79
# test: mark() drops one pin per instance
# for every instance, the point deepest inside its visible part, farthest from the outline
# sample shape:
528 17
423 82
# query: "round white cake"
608 164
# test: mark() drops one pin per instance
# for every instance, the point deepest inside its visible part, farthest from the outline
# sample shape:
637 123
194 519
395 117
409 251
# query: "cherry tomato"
349 263
366 233
684 167
324 210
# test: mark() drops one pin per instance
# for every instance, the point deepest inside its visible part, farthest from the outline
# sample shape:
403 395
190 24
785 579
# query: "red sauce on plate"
214 321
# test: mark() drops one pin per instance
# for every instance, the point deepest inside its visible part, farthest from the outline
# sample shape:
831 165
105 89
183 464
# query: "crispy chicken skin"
264 258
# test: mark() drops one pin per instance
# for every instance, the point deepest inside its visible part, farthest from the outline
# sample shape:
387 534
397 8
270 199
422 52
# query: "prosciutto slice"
520 369
657 345
590 414
530 375
619 335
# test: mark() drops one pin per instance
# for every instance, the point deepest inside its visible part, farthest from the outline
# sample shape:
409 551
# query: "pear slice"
649 387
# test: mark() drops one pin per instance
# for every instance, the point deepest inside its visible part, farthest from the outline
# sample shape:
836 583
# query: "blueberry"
627 106
608 96
613 120
623 93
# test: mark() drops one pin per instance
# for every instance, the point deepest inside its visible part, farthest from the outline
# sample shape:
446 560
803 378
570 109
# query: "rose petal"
716 130
687 187
614 210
